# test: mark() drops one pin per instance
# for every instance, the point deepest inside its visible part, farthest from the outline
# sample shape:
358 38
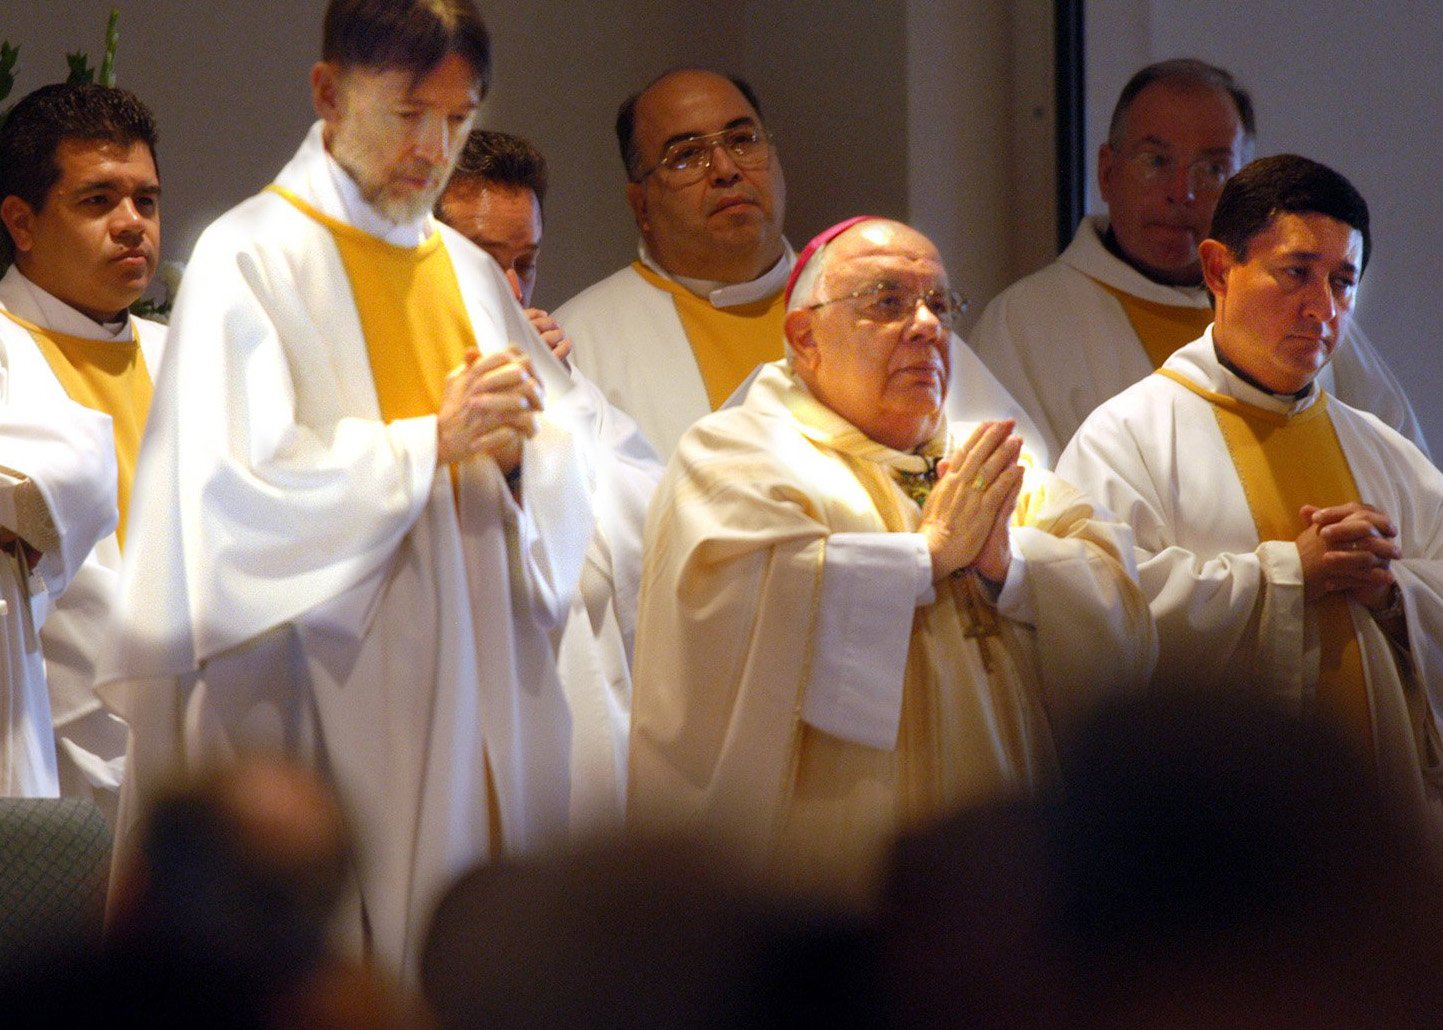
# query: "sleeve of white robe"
57 484
57 493
1214 614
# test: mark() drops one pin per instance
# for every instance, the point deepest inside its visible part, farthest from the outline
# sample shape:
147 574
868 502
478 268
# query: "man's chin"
405 204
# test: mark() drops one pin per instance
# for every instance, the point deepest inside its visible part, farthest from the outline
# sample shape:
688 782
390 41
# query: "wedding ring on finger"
979 483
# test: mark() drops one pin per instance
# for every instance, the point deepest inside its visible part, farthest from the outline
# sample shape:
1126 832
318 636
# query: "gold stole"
412 316
726 342
1285 462
1161 328
108 376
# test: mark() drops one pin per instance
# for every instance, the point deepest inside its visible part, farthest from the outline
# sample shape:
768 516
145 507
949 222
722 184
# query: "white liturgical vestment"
300 574
1062 344
1230 608
802 686
90 741
57 493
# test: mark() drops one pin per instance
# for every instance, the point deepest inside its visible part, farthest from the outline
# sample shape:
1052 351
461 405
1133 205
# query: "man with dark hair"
1279 530
80 202
701 307
1128 290
494 199
357 529
702 304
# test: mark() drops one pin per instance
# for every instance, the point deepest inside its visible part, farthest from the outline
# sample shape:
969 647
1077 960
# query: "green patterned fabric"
54 863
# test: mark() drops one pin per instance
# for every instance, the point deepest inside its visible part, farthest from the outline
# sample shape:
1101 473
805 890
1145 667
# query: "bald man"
854 614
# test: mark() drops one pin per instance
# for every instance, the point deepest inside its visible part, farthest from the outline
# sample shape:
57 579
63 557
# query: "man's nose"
1318 300
925 320
1180 185
723 164
126 219
435 140
515 281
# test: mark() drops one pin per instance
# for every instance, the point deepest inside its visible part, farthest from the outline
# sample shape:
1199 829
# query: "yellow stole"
726 342
412 316
108 376
1285 462
1161 328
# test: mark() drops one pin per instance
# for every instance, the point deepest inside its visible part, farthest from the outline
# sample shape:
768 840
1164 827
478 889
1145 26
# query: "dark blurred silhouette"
1211 861
220 917
654 933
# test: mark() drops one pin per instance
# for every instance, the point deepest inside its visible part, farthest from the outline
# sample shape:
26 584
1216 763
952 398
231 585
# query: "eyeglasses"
1205 178
887 303
687 160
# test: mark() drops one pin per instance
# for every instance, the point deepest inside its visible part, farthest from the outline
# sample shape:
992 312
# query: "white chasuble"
90 742
300 575
1229 605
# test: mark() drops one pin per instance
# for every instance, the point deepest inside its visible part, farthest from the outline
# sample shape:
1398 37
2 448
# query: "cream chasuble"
732 644
728 343
108 376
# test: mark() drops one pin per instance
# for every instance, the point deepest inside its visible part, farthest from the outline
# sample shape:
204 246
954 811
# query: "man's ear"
798 330
326 90
1217 260
636 200
19 219
1106 165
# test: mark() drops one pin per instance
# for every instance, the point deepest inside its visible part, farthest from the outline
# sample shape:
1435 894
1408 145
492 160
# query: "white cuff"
871 586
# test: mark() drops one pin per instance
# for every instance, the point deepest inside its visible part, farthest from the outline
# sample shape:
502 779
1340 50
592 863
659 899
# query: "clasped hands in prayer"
489 407
1347 549
965 517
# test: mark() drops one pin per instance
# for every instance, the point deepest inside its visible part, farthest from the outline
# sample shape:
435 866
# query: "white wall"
1355 86
898 108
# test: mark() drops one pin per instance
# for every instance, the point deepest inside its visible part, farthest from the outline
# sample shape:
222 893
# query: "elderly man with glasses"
673 335
1128 290
854 614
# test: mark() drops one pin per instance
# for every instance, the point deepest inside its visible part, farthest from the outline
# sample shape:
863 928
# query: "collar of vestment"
21 297
1198 364
728 295
1090 256
778 390
316 177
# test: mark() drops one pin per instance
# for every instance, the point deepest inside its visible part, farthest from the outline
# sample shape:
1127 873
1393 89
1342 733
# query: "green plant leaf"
8 54
81 69
112 40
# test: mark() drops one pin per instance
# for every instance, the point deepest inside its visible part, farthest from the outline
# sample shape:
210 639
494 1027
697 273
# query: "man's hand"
489 407
551 334
1347 549
967 511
